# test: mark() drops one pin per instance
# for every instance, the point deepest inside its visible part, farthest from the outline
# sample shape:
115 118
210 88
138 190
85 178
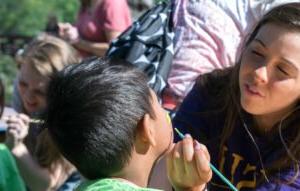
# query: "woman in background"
41 165
98 23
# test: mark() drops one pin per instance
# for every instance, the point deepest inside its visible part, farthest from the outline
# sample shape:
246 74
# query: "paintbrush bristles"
38 121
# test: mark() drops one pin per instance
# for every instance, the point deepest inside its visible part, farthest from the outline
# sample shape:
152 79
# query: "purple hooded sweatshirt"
239 160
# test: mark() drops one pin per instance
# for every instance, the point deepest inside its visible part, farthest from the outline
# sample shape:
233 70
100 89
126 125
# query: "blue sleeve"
188 118
280 183
72 182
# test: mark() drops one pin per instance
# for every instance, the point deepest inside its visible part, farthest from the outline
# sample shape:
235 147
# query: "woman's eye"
40 93
282 70
256 53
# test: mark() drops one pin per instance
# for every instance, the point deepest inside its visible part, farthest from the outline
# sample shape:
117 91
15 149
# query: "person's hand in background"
17 130
68 32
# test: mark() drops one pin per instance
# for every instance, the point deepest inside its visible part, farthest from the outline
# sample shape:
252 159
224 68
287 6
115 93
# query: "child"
108 123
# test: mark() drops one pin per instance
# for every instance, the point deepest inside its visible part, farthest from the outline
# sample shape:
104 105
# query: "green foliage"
8 70
28 17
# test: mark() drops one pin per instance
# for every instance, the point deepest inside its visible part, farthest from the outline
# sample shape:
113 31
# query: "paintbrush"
36 121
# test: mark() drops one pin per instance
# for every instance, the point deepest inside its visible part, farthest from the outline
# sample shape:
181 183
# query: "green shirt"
110 184
10 179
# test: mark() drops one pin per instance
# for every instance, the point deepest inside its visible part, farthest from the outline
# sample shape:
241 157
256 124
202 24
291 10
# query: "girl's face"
32 87
269 76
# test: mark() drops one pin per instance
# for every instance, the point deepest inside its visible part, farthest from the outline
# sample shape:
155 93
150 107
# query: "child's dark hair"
93 111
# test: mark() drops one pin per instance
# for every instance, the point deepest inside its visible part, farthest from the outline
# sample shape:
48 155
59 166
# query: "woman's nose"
261 74
29 95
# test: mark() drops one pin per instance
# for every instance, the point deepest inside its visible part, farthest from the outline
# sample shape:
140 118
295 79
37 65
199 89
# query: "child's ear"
146 130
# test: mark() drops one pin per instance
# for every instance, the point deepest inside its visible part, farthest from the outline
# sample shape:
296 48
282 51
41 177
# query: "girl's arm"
96 48
70 33
35 177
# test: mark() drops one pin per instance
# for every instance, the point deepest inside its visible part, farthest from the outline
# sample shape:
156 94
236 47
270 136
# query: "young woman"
208 36
40 164
248 115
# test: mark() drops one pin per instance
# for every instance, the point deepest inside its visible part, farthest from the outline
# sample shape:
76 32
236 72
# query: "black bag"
148 44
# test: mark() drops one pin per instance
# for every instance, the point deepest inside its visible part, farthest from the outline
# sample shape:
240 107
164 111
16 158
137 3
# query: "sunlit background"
21 20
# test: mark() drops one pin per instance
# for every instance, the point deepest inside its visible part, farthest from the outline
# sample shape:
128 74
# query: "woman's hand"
17 129
188 165
68 32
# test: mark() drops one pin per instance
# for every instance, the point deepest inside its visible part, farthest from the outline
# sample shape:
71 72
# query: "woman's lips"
252 90
30 106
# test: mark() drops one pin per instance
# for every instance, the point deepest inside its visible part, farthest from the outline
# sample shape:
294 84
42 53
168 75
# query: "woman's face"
32 87
269 76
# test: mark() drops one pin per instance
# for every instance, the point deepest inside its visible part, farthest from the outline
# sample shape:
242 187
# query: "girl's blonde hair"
48 54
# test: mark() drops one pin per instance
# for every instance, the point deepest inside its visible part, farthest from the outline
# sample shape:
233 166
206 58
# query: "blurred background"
22 19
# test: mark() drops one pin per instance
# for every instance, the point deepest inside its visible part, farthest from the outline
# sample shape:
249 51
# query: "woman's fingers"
188 164
178 160
12 132
15 120
187 148
19 133
19 118
20 123
24 118
202 162
204 148
188 155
